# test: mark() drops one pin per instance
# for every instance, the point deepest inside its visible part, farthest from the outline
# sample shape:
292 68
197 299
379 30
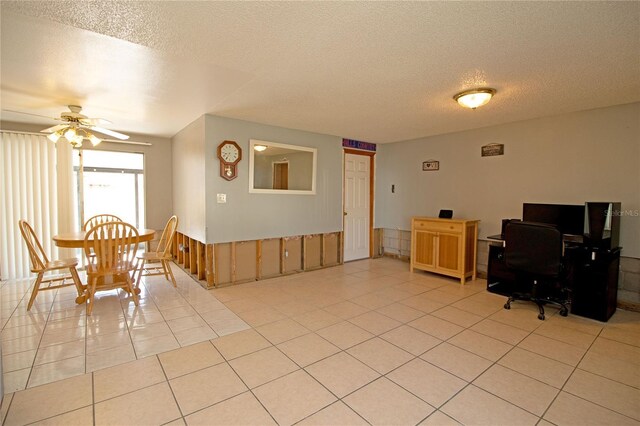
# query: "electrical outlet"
286 253
222 198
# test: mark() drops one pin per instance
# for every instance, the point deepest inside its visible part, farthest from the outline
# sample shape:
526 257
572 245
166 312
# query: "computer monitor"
568 218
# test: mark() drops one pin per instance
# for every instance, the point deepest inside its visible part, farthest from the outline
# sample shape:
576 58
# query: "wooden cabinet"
444 246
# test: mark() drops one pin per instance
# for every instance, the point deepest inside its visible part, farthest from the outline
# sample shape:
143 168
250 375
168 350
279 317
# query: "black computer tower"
595 282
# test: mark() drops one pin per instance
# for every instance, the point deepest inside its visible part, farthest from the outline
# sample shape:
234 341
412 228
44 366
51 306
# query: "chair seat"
60 264
151 256
117 269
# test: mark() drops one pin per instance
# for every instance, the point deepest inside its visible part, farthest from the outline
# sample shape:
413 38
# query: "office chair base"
564 309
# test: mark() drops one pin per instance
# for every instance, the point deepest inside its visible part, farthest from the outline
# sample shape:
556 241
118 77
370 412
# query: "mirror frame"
252 190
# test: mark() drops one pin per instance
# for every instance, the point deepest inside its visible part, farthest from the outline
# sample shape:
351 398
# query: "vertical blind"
32 188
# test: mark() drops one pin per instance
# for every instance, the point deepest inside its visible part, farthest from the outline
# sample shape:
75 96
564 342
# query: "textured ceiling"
374 71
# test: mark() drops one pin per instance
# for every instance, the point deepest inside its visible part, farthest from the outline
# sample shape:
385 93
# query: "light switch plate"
222 198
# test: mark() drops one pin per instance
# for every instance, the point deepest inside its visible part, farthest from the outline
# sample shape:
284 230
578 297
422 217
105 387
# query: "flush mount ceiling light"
259 148
475 97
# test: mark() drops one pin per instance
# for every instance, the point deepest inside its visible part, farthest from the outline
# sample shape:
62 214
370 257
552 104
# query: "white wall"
189 179
568 159
248 216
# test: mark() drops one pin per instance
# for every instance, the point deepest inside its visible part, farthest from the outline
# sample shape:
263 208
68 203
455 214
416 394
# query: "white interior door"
357 175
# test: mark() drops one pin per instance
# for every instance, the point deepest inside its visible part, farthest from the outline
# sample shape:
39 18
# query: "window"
111 182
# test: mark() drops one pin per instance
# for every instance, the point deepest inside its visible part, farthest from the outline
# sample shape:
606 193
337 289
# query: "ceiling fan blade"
35 115
95 121
109 132
54 128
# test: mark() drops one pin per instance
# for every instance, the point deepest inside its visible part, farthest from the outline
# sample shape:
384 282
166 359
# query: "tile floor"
362 343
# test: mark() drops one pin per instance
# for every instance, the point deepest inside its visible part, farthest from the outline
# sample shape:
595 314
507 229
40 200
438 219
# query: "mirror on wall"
276 168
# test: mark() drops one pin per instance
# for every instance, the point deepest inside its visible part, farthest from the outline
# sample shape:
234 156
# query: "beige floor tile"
315 320
410 339
307 349
149 331
58 370
385 403
243 409
177 312
110 357
380 355
422 303
18 361
602 391
62 336
335 414
614 349
622 334
107 341
138 317
83 416
20 345
21 332
480 344
63 396
155 345
444 297
241 343
342 373
345 335
152 405
194 335
500 331
60 352
478 407
436 327
522 315
281 331
457 316
568 409
456 361
244 305
400 312
262 316
611 368
125 378
553 349
372 301
16 380
482 308
189 359
520 390
206 387
346 309
375 323
263 366
292 308
176 422
539 367
571 336
426 381
438 418
291 398
186 323
4 407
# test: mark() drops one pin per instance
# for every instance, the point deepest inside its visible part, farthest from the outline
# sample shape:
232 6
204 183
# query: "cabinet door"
425 250
449 251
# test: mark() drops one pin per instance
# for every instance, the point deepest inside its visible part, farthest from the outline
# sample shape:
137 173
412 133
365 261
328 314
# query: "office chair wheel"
507 306
541 317
564 312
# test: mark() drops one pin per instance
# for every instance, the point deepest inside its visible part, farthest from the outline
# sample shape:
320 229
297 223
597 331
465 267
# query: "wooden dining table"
76 239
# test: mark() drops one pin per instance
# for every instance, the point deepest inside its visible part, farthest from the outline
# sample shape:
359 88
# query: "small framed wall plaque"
430 165
493 149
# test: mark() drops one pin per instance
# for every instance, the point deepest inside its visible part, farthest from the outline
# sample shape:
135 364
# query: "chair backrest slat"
111 245
98 219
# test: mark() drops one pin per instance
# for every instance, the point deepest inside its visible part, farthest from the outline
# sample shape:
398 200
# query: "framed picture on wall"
430 165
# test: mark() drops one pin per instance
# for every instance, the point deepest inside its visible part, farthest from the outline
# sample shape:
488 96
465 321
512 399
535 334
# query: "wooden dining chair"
158 262
41 265
111 248
98 219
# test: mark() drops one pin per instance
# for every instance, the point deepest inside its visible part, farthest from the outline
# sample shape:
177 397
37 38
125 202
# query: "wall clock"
230 155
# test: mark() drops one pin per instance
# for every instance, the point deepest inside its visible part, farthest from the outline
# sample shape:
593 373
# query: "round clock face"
229 153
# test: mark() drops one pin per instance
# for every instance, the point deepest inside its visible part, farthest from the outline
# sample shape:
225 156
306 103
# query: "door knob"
344 213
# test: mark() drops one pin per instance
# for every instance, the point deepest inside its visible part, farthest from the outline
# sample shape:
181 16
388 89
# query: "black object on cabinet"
595 283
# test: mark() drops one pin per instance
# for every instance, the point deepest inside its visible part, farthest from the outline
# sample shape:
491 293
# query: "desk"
593 277
76 239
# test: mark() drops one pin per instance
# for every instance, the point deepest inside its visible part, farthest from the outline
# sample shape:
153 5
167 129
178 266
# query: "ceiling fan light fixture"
93 139
53 137
70 134
474 98
259 148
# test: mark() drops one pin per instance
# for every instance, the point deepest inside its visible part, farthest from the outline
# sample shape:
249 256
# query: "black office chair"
534 252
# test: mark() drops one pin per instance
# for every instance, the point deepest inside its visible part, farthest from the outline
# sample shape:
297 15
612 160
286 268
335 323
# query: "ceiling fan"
77 127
